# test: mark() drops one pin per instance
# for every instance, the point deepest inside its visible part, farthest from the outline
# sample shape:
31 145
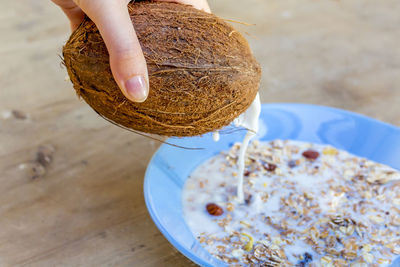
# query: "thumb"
128 64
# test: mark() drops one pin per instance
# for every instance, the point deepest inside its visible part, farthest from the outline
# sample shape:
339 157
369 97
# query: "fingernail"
136 87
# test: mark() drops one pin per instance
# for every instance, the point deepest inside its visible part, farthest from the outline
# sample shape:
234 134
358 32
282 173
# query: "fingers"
73 12
128 64
199 4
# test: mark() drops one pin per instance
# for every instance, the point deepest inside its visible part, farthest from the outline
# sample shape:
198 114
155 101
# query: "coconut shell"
202 73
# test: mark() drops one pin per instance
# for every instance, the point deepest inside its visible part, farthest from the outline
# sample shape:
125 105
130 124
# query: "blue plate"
170 166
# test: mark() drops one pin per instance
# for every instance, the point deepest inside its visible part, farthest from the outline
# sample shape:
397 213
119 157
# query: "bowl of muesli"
321 188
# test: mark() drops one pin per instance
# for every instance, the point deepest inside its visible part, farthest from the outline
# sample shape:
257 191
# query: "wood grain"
88 209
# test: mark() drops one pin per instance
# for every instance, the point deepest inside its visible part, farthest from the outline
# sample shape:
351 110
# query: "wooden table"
88 208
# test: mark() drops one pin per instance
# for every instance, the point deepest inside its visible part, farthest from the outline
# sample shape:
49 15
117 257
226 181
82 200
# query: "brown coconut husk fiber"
202 73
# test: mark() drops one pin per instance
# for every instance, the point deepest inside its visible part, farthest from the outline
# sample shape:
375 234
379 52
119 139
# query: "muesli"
305 205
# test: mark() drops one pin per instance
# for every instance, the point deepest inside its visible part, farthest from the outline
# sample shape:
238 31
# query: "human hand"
111 17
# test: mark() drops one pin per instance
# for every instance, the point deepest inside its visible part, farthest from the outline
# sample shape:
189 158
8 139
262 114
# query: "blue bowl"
170 166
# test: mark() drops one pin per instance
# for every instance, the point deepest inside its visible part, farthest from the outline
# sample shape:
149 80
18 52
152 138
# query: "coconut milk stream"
248 120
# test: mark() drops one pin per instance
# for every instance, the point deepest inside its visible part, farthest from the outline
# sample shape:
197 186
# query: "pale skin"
111 17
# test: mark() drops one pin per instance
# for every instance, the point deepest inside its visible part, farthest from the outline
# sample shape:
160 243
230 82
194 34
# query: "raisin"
269 166
311 154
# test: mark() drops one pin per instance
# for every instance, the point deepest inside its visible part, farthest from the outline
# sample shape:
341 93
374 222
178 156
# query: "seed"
292 164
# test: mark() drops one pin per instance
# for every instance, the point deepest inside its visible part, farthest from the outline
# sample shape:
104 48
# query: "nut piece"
311 154
214 210
330 151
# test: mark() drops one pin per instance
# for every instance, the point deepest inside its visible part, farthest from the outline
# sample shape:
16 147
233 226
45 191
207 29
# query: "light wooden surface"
88 208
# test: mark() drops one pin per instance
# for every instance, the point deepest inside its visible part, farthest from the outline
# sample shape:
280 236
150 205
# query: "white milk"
216 136
272 192
248 120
